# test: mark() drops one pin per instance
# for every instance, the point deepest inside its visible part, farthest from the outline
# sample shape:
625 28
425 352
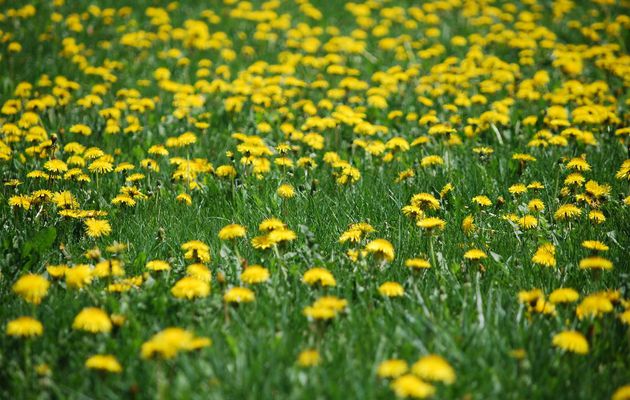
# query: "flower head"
32 288
392 368
232 231
104 362
190 288
434 368
381 248
255 274
238 295
411 386
571 341
92 320
25 327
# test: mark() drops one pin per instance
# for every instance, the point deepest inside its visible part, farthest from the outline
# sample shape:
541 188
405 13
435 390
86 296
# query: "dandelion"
381 248
255 274
184 198
417 263
78 276
93 320
392 368
567 211
196 250
32 288
468 225
238 295
593 306
271 224
482 201
232 231
391 289
527 222
23 202
571 341
190 288
536 205
564 295
319 276
434 368
158 265
596 263
309 358
545 255
24 327
622 393
56 166
286 191
431 224
104 362
96 228
171 341
411 386
475 255
425 201
594 245
56 271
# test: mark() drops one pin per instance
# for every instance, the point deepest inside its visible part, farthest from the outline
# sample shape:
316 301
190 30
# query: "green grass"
470 317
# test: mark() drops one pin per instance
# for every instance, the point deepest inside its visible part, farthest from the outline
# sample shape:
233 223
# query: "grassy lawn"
315 199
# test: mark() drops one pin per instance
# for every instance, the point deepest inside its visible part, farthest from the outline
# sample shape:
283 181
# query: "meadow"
315 199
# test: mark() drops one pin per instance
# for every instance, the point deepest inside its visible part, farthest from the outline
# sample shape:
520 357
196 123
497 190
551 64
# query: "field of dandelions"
315 199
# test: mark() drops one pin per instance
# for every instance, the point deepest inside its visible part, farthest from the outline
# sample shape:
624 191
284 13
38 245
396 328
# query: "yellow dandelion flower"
468 225
32 288
320 276
319 312
417 263
411 386
482 201
527 222
530 296
425 201
92 319
536 205
545 255
431 224
286 191
391 289
475 254
199 272
104 362
56 271
567 211
271 224
381 248
255 274
171 341
564 295
25 327
308 358
96 228
190 288
434 368
78 276
596 262
232 231
158 265
622 393
593 306
392 368
571 341
238 295
594 245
